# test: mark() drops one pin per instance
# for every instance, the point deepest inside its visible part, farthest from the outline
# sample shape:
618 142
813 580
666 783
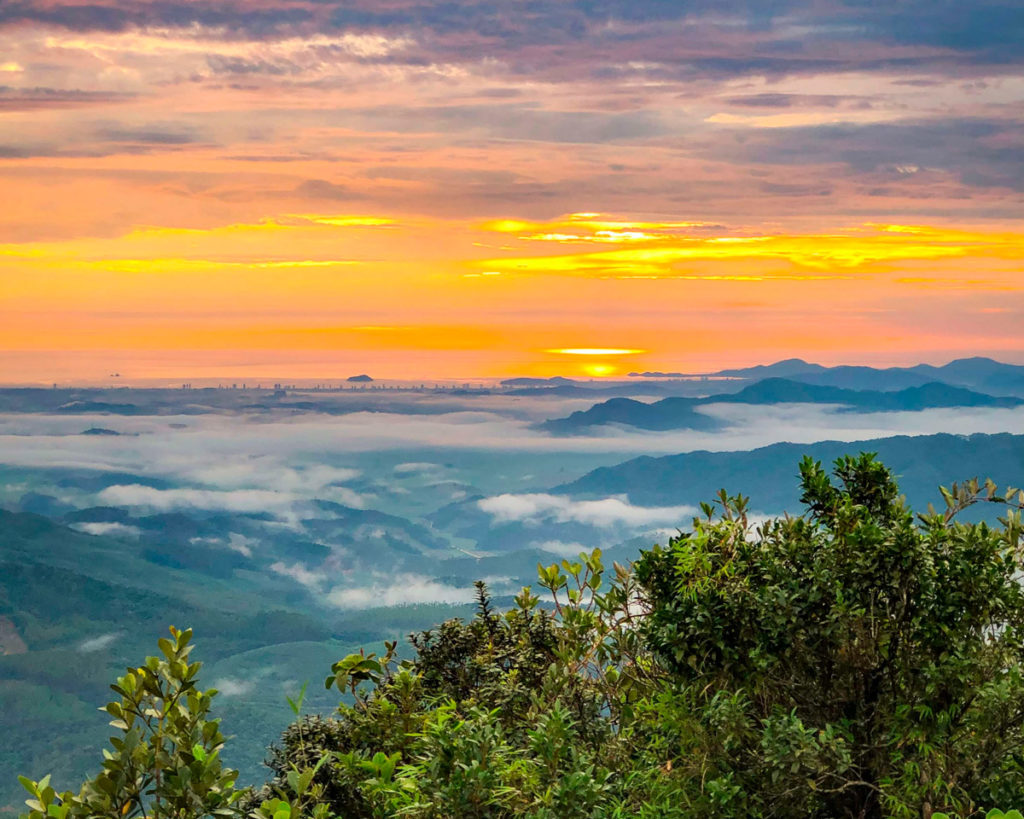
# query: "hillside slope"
922 463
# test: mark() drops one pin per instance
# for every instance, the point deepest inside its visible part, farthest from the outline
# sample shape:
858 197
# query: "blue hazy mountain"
981 374
683 413
931 395
789 368
978 373
769 474
669 413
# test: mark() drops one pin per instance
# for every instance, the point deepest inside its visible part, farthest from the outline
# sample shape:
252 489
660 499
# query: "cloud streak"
399 590
115 529
537 508
94 644
240 500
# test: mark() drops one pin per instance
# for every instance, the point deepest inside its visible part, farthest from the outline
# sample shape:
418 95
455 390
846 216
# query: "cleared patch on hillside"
10 640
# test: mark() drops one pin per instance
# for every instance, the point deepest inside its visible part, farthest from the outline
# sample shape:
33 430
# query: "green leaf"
296 704
168 648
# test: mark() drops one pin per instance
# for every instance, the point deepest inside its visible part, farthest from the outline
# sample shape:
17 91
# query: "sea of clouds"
281 464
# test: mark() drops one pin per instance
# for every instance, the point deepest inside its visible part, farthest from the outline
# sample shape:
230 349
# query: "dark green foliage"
303 744
495 660
471 686
862 662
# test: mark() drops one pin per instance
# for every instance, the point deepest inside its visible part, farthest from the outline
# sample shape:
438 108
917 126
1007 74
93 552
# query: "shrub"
856 661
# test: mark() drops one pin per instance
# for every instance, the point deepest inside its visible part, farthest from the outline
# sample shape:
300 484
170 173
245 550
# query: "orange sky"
427 198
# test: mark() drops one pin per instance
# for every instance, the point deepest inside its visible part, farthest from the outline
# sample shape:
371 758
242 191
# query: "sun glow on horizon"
595 351
600 370
296 284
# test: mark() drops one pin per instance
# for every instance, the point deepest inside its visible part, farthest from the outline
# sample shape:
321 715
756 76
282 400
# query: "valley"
292 534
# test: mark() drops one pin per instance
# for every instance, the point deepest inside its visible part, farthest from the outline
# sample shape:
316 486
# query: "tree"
856 661
165 762
457 731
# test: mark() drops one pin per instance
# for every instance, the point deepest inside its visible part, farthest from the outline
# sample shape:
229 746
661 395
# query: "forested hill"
769 474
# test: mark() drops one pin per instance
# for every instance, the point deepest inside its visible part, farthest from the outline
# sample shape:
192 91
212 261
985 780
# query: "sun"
597 369
601 351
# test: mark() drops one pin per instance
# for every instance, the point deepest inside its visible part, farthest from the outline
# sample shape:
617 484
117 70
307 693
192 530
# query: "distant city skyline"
206 369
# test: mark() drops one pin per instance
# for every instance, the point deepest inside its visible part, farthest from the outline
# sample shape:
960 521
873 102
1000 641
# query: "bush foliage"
856 661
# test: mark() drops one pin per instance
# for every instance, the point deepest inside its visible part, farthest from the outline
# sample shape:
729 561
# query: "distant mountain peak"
683 413
781 369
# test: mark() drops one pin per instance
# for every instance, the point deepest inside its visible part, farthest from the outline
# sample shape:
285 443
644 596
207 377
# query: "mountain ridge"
769 474
682 413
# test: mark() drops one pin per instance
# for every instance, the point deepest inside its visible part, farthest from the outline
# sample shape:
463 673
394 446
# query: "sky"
443 188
